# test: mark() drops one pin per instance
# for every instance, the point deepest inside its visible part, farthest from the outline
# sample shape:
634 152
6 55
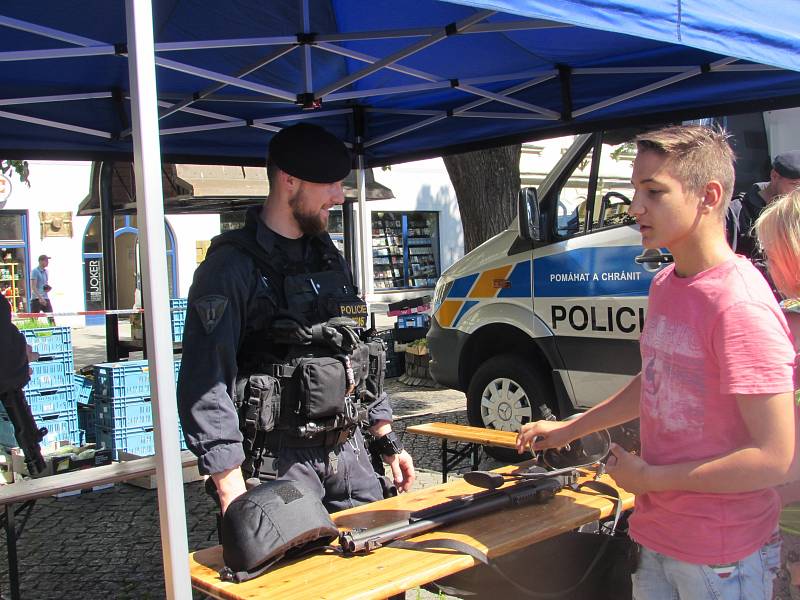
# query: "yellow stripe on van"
448 311
486 286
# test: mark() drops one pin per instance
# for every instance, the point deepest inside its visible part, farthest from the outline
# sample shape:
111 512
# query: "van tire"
488 404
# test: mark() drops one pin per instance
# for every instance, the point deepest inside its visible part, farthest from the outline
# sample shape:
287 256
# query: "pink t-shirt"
705 339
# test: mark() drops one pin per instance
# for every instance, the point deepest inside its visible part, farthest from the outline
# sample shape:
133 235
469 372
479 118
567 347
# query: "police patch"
210 309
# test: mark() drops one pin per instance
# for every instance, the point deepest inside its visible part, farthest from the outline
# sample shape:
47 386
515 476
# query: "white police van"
548 313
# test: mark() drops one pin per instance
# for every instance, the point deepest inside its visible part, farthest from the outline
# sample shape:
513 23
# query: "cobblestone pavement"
107 543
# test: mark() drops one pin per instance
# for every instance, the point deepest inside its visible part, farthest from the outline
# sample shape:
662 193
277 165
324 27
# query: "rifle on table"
533 487
28 434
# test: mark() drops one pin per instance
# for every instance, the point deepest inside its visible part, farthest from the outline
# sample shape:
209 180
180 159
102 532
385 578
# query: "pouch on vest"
317 387
261 406
377 367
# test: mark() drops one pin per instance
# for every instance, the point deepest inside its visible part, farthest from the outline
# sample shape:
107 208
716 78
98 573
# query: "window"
609 205
405 249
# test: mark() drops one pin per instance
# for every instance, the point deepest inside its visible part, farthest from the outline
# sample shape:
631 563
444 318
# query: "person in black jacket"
253 303
14 351
747 206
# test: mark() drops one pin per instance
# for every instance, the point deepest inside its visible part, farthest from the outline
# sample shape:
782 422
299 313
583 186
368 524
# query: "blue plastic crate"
87 421
138 440
124 413
48 402
84 388
122 380
178 318
50 372
49 340
60 427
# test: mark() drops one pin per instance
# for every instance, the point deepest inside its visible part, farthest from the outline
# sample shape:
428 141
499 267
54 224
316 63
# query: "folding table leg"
11 541
444 460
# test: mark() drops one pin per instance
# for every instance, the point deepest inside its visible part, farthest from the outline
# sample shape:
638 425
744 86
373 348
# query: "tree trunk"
486 183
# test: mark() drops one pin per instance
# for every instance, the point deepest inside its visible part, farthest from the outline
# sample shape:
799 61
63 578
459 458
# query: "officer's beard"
310 223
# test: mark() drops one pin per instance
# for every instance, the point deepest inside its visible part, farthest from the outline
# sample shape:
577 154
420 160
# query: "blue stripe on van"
462 286
585 272
520 280
464 309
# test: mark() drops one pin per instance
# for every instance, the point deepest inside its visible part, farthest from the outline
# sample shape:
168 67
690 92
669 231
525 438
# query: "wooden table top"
31 489
467 433
388 571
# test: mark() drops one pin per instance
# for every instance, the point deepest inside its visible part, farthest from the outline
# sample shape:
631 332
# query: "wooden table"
469 442
389 571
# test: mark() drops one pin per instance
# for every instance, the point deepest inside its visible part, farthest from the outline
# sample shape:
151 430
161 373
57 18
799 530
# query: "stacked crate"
51 390
177 308
123 407
84 388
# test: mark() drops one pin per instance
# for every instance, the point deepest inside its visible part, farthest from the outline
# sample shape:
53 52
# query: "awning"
205 188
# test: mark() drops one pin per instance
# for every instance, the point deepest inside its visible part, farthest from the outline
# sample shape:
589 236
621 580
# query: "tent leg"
155 294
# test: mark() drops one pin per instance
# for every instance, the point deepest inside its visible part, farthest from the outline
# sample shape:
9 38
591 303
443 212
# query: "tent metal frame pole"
182 104
501 115
49 54
406 111
545 112
444 33
48 32
209 127
55 125
387 91
150 212
355 55
404 130
694 71
226 43
58 98
303 115
180 67
204 113
307 73
512 90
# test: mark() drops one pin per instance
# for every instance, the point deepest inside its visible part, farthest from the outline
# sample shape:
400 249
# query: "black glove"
289 331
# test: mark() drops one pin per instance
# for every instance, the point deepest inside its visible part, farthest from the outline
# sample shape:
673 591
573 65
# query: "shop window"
14 276
405 249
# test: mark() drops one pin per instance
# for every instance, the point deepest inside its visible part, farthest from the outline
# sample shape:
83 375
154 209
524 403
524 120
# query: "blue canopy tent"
209 81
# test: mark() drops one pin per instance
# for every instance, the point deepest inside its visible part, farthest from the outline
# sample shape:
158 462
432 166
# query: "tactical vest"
305 378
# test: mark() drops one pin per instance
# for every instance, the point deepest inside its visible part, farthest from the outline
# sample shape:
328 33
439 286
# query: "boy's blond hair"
695 155
778 230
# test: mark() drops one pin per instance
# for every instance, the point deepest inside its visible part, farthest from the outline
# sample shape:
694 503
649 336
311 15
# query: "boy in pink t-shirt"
714 394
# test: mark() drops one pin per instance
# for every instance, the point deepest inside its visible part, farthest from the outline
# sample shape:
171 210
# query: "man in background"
41 288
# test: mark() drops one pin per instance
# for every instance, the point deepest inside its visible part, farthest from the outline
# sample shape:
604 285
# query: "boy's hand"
629 471
541 435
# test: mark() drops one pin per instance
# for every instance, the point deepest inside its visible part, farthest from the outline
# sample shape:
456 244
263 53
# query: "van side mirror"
528 214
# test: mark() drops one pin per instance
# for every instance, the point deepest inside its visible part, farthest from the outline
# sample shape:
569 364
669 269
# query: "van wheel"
505 393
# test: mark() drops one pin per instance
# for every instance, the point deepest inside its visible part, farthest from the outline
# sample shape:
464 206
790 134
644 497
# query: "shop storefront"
14 260
405 249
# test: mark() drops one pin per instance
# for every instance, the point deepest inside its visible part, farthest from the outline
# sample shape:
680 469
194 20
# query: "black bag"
317 387
274 520
377 367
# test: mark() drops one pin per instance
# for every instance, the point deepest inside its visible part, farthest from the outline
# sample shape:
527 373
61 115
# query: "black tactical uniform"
233 303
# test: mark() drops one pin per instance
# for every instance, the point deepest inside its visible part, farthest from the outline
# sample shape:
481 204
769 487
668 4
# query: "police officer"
257 293
746 207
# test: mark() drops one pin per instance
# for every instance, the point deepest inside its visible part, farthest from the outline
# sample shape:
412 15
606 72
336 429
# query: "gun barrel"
525 492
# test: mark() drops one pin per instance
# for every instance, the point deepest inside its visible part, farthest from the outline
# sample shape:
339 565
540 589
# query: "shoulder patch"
210 309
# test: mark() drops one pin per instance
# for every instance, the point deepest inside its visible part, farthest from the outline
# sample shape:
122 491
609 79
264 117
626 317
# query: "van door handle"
654 258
